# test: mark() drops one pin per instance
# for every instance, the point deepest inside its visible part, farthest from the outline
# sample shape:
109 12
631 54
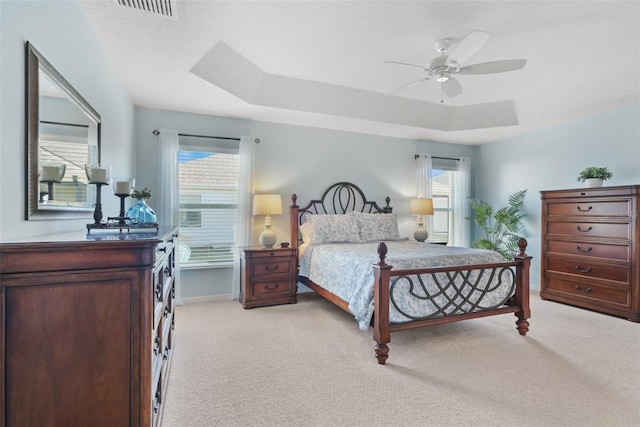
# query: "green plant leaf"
501 226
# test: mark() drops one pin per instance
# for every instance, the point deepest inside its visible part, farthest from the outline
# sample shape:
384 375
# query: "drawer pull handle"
272 287
586 291
584 251
271 267
583 270
584 231
162 249
584 210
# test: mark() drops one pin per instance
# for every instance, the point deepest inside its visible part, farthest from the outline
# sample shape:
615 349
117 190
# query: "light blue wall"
60 31
551 158
295 159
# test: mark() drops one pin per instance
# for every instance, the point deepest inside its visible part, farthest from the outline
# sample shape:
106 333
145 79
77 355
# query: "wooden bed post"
381 332
293 210
522 288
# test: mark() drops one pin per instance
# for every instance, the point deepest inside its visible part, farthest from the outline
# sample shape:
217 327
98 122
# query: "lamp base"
267 238
420 234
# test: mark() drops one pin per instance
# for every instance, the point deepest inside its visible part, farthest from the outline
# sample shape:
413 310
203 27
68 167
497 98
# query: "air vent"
161 7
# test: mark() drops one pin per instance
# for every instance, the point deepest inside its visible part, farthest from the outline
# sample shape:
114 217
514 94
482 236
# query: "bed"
350 253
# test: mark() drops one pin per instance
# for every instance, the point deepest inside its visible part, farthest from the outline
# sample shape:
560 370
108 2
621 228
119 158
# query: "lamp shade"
421 207
267 204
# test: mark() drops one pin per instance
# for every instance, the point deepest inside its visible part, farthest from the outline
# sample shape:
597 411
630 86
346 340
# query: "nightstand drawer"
271 287
274 266
265 254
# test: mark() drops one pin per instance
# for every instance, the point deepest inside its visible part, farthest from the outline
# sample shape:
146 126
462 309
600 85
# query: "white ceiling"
321 63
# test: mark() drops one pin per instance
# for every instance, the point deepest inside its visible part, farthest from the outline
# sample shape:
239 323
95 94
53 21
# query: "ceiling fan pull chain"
441 93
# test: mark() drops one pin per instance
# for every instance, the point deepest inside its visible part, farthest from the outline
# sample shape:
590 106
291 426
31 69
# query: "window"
73 190
208 204
443 193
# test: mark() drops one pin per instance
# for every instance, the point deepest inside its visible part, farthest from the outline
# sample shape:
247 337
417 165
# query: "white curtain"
244 219
462 208
168 196
424 168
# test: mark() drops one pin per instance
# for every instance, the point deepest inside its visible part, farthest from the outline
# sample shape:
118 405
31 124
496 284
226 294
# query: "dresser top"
97 236
622 190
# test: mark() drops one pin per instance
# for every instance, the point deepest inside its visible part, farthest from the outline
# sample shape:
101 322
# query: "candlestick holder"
122 188
97 212
98 175
49 175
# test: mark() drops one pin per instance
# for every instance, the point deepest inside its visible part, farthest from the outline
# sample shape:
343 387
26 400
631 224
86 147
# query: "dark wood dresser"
86 329
590 249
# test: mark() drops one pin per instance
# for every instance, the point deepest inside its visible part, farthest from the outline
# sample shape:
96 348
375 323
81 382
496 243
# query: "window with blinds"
73 190
443 193
208 205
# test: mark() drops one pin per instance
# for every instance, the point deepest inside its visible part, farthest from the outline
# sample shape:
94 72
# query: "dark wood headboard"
339 198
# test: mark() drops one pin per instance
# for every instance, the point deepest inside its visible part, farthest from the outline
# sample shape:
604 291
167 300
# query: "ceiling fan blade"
494 66
404 63
407 85
467 47
452 87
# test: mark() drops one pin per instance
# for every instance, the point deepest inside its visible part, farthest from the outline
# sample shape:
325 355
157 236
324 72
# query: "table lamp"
421 207
267 204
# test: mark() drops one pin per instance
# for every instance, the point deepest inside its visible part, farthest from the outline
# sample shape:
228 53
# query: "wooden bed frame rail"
385 276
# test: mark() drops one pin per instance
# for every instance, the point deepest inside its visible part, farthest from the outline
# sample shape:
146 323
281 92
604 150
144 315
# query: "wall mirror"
62 135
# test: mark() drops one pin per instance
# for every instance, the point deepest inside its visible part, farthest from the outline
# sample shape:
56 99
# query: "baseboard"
191 300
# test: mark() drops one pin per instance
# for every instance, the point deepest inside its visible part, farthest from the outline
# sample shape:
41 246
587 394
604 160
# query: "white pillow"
377 227
330 229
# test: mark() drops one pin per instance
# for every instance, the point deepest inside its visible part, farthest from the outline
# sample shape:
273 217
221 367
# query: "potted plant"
593 176
500 226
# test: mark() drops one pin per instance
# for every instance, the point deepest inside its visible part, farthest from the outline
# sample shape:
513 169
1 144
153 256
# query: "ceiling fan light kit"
442 68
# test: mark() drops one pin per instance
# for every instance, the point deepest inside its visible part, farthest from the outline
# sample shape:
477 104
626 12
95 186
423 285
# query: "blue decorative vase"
141 213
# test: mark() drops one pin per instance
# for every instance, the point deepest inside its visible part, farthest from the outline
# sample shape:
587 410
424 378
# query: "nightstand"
268 276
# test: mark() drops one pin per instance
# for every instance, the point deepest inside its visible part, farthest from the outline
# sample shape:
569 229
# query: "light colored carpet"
308 364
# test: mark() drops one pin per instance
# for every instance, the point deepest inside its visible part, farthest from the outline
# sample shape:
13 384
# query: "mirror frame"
35 63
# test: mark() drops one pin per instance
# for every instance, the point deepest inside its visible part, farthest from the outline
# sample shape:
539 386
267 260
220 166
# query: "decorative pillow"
330 229
377 227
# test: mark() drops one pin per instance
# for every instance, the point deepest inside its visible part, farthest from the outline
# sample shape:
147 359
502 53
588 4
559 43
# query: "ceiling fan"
442 68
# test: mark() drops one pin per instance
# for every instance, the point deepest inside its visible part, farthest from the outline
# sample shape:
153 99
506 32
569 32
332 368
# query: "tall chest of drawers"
86 329
590 249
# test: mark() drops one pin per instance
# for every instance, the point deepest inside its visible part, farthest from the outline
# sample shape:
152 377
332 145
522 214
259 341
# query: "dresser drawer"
599 250
273 266
587 268
590 208
590 229
271 287
589 291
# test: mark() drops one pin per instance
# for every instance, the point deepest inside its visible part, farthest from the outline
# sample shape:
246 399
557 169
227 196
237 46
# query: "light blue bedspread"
345 269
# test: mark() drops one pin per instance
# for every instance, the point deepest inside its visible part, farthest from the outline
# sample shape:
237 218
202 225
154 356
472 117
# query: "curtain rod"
63 124
157 132
436 157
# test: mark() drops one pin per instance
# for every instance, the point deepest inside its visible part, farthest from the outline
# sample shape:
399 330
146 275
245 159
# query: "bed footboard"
458 293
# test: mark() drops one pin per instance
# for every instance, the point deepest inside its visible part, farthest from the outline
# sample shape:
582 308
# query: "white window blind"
73 153
443 193
208 202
